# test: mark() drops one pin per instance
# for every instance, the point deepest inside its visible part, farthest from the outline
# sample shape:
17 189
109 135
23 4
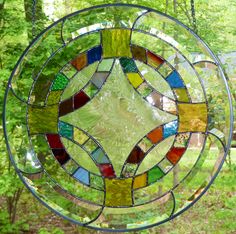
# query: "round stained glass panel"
123 117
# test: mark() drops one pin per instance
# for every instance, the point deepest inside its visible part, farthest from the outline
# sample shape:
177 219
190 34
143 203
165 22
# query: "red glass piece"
66 107
136 155
174 154
61 155
107 170
54 141
80 99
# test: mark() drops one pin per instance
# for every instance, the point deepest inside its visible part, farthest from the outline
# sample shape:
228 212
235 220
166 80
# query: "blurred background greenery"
214 21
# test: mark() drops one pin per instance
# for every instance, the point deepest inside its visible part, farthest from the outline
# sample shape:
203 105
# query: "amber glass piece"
118 192
140 181
156 135
192 117
136 155
107 170
175 154
154 60
66 107
115 43
80 99
61 155
139 53
54 141
80 62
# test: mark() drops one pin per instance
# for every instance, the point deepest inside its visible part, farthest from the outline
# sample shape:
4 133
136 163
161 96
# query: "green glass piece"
70 166
116 43
91 90
43 120
69 71
96 181
90 145
155 174
105 65
128 65
65 130
165 70
129 170
60 82
144 89
40 90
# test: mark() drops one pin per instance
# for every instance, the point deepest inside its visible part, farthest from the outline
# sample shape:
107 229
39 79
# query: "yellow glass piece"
116 43
135 79
118 192
192 117
54 97
140 181
79 136
182 95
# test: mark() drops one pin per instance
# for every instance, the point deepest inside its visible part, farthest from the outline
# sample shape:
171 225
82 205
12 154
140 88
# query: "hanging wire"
194 16
34 18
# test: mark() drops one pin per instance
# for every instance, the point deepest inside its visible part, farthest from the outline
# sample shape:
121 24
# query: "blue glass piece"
170 128
94 54
82 175
65 130
174 80
99 156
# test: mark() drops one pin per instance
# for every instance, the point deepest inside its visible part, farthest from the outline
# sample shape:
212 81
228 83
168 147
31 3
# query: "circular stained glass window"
123 117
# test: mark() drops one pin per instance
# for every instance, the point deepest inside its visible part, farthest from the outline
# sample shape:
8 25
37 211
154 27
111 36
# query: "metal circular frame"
222 75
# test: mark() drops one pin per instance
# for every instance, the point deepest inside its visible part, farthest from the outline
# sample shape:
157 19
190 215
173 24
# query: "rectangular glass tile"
115 43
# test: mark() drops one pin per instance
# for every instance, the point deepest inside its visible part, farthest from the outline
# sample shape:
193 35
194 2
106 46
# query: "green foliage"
216 24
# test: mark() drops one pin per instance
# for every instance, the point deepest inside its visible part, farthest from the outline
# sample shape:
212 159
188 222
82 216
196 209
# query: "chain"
34 18
193 16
